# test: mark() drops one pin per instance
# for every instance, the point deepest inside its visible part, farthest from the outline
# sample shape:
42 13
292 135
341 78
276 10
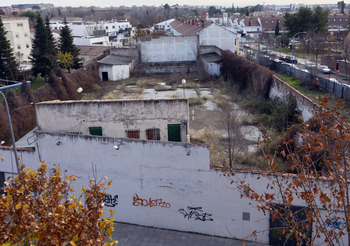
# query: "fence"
324 84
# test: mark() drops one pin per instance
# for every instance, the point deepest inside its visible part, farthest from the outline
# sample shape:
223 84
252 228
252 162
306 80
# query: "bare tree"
315 43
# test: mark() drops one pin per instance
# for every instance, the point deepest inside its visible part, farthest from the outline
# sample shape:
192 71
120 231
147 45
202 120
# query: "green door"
174 133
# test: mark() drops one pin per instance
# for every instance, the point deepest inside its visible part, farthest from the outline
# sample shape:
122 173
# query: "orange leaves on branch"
40 209
324 101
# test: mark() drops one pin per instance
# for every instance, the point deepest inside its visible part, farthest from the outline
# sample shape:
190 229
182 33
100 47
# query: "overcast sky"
116 3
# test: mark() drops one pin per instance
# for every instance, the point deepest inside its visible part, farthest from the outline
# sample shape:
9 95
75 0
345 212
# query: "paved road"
133 235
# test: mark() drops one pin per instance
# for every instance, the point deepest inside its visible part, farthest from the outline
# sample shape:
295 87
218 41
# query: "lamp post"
293 44
183 82
11 130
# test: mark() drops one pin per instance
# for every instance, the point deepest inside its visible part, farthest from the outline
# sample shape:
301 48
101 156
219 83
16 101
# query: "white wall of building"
114 116
100 41
18 33
115 72
169 49
218 36
158 184
212 68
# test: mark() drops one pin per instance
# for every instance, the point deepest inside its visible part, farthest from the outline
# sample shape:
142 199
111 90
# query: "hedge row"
246 74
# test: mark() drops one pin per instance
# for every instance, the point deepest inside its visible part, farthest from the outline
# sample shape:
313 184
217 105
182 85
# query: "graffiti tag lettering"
149 203
336 224
110 201
195 213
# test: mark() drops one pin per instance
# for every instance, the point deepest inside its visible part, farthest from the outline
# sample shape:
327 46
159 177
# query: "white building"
164 25
91 40
160 184
82 29
103 33
115 67
209 33
18 34
161 119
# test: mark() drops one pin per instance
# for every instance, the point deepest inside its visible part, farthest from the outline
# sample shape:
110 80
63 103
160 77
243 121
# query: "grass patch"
314 95
195 101
146 83
161 88
37 83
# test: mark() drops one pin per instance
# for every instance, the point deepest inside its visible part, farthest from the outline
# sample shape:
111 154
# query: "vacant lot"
207 124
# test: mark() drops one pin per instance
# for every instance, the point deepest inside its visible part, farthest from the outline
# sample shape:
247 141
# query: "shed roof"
92 50
212 57
114 59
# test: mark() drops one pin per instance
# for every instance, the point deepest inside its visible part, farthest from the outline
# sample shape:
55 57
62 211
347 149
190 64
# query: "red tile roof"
189 27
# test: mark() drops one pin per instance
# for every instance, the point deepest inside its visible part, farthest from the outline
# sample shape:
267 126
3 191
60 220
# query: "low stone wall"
306 106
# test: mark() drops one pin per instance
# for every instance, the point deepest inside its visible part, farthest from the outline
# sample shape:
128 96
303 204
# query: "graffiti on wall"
195 213
336 224
150 202
110 201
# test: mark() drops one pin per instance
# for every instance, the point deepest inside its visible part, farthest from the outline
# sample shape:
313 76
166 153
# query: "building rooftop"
114 59
189 27
92 50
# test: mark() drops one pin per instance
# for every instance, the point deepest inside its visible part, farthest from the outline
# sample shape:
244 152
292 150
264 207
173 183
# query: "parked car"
282 57
324 69
294 41
310 64
291 59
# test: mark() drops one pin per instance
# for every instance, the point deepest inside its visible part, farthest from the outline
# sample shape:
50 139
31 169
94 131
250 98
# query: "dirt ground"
205 118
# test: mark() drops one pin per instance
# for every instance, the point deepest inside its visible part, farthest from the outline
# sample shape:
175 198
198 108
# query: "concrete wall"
115 72
114 116
150 68
169 49
218 36
305 105
205 49
158 184
212 68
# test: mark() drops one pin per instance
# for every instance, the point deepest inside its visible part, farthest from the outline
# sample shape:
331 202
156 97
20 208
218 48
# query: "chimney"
188 22
192 22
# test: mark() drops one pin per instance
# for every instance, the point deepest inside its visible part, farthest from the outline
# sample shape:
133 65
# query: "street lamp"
293 43
183 82
11 130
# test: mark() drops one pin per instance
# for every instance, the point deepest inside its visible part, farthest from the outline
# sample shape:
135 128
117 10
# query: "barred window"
133 134
153 134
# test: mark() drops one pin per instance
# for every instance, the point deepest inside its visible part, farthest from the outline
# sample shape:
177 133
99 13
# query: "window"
26 35
19 24
246 216
113 27
133 134
27 45
96 131
17 35
153 134
18 47
106 27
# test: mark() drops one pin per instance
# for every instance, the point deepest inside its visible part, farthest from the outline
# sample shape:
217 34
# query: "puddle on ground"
205 92
210 105
251 133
